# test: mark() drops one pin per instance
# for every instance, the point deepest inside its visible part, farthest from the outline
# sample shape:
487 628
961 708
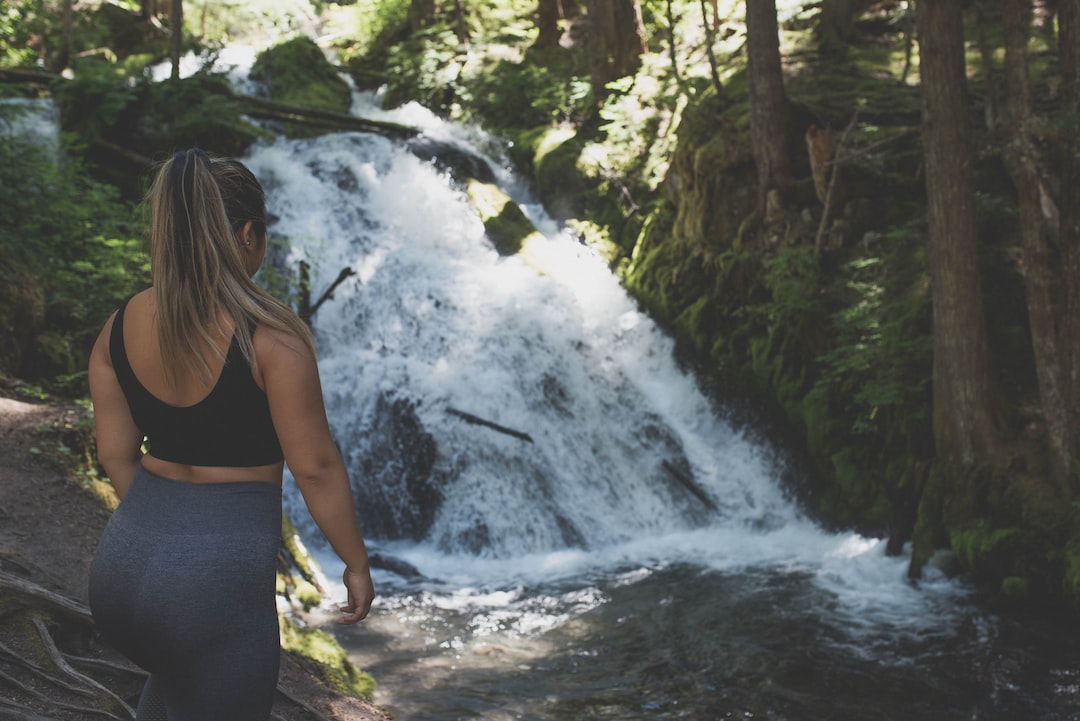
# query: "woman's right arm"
291 379
119 440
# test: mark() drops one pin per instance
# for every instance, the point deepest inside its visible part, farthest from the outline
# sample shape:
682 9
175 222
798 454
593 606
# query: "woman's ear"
246 234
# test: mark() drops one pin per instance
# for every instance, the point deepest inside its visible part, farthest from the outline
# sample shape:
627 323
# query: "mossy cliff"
831 327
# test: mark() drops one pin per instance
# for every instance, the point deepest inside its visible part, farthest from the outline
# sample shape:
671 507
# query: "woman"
220 380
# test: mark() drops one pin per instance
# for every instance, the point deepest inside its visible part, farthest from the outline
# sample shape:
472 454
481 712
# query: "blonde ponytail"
198 203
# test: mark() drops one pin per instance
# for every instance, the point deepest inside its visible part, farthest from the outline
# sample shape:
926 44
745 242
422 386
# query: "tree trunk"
836 25
710 38
421 14
547 24
616 40
176 20
1069 236
597 44
460 22
1020 159
66 52
149 10
963 425
630 41
770 113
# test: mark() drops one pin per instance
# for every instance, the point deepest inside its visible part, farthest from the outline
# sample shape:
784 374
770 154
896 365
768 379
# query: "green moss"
298 73
505 223
559 181
1014 587
299 579
331 663
978 544
1071 576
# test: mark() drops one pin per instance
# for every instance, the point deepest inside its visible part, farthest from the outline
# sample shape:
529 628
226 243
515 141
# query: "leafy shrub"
69 241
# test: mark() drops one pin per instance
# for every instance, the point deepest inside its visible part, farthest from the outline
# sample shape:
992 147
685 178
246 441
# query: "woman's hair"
198 204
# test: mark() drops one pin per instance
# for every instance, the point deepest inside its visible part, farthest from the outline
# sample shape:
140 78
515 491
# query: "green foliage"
426 69
193 111
19 21
72 239
516 94
372 25
94 100
879 355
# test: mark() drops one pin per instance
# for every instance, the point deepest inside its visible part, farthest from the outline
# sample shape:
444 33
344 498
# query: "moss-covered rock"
507 226
325 657
560 183
297 72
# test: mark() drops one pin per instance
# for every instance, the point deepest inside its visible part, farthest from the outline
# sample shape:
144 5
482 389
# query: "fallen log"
690 485
273 110
24 75
478 421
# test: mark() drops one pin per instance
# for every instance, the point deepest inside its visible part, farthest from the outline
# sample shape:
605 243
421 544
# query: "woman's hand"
361 594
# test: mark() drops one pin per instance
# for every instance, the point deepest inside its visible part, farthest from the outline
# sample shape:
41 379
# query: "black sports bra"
230 427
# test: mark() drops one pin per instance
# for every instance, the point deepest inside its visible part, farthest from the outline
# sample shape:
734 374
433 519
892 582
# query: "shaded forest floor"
49 528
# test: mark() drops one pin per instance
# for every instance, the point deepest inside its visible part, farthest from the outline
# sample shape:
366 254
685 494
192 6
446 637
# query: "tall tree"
176 20
421 13
836 25
1022 162
547 23
770 111
1069 235
963 422
616 40
68 21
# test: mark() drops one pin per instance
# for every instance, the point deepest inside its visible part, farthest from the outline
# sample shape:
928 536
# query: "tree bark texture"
963 425
176 20
421 14
1022 163
836 25
770 113
1069 236
616 40
630 35
547 24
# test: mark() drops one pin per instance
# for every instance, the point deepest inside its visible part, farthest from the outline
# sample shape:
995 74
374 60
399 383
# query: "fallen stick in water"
478 421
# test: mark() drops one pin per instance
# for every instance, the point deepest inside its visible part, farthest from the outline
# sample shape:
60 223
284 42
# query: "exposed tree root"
302 704
63 665
19 712
44 636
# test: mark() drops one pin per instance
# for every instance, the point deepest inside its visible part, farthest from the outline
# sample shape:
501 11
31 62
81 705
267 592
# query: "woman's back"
201 428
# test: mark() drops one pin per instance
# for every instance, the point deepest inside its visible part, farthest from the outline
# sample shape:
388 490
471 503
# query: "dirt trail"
49 528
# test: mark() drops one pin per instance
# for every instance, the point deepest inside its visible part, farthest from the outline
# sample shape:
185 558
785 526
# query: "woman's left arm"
119 440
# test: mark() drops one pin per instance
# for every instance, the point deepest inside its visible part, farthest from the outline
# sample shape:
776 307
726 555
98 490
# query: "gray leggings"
183 584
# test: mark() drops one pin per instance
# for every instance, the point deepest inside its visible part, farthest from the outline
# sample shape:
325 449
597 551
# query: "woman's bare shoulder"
275 343
100 351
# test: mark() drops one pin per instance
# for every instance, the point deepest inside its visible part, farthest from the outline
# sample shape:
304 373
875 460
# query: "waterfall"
32 120
611 440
